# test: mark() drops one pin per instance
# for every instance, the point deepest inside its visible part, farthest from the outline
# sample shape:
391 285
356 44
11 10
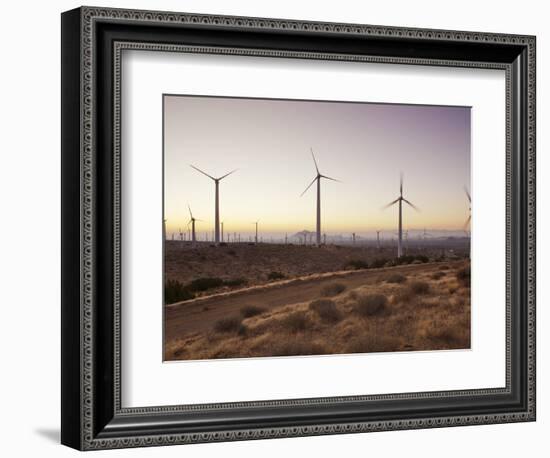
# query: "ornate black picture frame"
92 42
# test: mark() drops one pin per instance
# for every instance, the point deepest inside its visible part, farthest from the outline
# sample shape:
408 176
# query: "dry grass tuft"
229 324
447 336
295 321
463 276
419 287
332 289
396 278
275 275
298 346
371 305
403 296
326 309
437 275
368 343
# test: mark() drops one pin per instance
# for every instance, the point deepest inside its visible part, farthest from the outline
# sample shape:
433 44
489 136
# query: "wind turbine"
318 179
192 222
400 201
467 223
217 204
256 237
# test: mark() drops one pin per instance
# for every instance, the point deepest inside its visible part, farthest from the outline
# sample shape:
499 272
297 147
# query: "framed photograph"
276 228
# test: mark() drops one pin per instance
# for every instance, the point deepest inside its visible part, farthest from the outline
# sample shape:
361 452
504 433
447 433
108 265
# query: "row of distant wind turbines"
317 179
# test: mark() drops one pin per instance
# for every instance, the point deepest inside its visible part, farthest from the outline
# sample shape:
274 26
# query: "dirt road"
199 315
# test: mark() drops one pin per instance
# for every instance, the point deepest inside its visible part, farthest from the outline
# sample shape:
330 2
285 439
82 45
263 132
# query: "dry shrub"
463 276
423 304
444 267
332 289
396 278
404 326
326 309
403 296
204 284
367 343
275 275
295 321
371 305
419 287
175 291
297 347
437 275
251 310
356 264
228 324
449 336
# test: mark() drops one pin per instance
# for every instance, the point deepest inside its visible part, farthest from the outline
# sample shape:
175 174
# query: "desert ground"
252 301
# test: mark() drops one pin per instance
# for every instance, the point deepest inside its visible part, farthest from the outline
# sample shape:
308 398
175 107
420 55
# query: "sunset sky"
268 141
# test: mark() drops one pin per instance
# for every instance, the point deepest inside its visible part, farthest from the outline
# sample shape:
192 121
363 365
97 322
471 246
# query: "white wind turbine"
217 199
400 201
192 222
467 223
318 179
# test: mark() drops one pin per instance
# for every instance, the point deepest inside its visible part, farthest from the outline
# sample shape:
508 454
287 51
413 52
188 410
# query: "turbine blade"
313 156
329 178
227 174
413 206
467 222
204 173
401 183
190 213
390 204
309 186
468 194
190 221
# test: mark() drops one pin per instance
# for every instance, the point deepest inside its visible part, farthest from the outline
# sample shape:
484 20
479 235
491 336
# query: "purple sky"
364 145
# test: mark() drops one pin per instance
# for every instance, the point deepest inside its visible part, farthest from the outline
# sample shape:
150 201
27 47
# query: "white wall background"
30 214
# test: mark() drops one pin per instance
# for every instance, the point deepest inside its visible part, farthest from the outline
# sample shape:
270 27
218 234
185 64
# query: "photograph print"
304 227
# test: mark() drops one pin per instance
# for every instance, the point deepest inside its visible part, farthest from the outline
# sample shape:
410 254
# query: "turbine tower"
256 237
318 179
400 201
217 204
467 223
192 222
